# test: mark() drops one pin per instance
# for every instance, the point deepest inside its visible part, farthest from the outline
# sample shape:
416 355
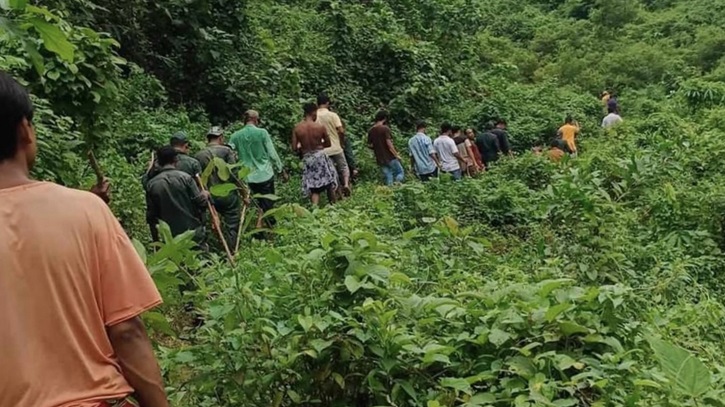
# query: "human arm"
339 127
505 146
391 146
152 216
135 354
294 143
472 155
198 197
125 291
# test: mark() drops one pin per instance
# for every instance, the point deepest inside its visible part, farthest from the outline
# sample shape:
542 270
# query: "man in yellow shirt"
568 133
336 134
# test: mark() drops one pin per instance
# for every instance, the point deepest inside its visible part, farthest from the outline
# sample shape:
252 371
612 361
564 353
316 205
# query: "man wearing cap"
256 151
174 197
228 206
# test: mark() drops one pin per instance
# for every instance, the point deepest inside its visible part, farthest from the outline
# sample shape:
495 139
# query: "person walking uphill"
72 287
256 151
336 134
229 207
380 140
186 163
174 197
451 160
423 155
310 139
568 132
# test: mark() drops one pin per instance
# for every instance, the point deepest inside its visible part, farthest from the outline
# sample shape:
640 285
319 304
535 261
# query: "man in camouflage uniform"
173 196
228 207
187 164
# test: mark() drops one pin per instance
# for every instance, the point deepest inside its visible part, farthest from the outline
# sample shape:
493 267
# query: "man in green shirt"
256 151
174 197
229 206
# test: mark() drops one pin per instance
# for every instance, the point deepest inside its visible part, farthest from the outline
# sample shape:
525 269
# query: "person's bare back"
309 136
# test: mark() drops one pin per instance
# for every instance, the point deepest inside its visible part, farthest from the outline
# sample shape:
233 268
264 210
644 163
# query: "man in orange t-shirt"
71 287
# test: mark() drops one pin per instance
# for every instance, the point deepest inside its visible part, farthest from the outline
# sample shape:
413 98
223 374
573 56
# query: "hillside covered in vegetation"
594 282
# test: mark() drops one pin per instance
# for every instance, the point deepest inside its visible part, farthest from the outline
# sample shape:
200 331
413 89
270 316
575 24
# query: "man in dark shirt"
488 144
380 140
503 137
186 163
228 207
174 197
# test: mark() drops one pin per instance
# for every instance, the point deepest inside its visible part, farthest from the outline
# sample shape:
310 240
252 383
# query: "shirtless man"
309 139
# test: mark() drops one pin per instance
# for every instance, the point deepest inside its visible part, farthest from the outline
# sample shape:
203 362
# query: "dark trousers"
229 210
428 177
264 188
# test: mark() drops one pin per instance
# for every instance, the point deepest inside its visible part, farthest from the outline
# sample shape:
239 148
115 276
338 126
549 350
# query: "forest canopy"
594 282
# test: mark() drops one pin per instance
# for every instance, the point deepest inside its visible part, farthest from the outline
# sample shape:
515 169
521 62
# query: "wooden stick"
215 223
241 225
96 168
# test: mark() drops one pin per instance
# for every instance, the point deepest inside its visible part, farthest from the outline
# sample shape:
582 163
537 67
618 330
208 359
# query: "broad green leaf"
498 337
158 322
522 366
456 383
433 403
222 169
207 173
54 39
319 345
556 310
352 283
305 322
550 285
481 399
339 380
571 328
140 249
222 190
294 396
647 383
18 4
687 372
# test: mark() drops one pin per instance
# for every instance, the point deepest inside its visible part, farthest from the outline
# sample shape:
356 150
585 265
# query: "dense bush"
592 282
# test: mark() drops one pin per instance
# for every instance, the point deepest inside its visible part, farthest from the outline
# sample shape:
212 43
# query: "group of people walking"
176 194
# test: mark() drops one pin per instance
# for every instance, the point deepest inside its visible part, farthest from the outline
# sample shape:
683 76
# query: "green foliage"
536 284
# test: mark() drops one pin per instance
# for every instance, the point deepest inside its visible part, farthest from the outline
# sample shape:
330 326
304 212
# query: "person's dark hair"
166 155
555 143
445 127
420 124
309 108
612 109
382 115
490 126
323 99
569 119
501 121
15 106
455 129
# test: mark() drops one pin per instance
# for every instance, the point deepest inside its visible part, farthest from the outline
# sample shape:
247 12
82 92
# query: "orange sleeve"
126 288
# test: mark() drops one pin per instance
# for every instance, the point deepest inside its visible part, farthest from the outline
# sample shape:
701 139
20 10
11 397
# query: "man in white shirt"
448 152
612 119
